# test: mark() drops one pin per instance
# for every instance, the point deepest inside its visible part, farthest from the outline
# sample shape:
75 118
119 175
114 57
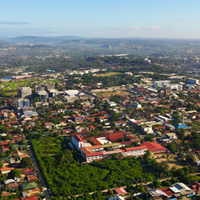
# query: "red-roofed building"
167 191
115 137
154 147
96 142
30 198
120 191
91 156
141 99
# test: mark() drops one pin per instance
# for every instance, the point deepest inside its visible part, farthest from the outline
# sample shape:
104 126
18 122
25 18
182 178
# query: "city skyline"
101 19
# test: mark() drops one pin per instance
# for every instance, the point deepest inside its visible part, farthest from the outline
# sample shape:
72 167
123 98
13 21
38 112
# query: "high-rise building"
26 103
21 103
25 92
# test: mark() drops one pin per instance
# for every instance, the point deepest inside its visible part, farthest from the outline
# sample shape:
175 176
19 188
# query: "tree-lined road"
43 183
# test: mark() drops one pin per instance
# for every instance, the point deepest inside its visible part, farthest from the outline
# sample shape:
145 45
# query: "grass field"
11 87
109 74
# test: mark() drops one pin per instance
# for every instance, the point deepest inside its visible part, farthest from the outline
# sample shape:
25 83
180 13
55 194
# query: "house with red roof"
6 170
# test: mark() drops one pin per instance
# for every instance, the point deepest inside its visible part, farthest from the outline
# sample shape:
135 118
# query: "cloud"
153 28
136 28
13 23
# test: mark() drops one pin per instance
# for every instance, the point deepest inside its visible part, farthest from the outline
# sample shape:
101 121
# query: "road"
43 183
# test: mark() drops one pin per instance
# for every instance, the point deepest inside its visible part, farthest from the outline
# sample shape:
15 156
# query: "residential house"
6 170
119 123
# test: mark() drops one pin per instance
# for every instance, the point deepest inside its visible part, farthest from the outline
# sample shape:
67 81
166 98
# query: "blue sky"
102 18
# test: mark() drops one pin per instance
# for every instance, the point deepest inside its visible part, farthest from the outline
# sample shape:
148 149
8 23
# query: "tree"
147 155
190 158
148 138
171 146
14 173
156 183
187 148
26 163
10 144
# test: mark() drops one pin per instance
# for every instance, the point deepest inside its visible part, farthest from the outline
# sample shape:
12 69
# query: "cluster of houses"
176 191
13 151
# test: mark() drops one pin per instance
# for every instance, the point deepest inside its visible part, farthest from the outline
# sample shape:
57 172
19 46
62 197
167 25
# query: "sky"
101 19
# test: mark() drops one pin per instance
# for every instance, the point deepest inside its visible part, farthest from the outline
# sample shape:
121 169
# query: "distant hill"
40 40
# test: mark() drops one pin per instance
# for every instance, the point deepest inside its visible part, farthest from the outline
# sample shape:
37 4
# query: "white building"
77 142
177 87
135 151
116 198
147 129
73 93
128 73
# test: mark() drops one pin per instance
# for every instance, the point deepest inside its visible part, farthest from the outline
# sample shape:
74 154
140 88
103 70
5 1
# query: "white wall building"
77 142
135 151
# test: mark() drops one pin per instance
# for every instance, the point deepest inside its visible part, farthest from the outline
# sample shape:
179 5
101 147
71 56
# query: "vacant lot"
172 163
109 93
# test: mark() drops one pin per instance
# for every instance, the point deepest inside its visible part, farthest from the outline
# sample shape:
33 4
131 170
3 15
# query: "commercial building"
163 83
193 81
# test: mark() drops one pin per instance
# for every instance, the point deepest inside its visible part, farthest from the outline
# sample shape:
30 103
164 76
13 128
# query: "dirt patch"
172 163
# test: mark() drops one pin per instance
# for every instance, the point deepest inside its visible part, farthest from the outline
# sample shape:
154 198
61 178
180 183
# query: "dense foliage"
65 176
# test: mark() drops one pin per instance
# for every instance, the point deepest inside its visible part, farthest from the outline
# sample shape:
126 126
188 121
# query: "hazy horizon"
101 19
